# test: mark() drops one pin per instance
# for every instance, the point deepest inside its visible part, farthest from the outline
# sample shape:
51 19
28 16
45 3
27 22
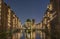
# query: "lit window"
8 18
9 12
48 26
45 21
51 16
9 24
0 2
14 15
48 14
9 21
50 6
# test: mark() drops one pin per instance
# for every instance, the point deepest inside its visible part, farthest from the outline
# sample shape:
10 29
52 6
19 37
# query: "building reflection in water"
30 30
37 36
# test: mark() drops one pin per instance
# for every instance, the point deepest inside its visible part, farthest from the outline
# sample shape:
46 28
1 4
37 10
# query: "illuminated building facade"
39 30
10 24
30 29
51 20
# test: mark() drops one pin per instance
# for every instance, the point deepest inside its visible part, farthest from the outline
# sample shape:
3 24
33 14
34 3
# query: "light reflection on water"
37 36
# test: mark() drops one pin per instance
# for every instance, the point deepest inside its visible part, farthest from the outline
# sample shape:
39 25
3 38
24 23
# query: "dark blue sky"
25 9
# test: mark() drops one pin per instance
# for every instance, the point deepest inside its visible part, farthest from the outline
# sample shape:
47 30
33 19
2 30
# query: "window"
50 6
8 24
45 21
0 1
48 14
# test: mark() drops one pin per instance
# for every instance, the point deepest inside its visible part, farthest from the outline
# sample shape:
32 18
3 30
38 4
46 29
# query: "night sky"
24 9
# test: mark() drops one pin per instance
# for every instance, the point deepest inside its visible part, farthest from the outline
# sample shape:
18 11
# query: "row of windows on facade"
9 20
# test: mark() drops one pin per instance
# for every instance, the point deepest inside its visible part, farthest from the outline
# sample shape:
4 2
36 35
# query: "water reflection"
37 36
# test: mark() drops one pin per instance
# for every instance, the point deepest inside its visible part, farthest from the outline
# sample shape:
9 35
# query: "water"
37 36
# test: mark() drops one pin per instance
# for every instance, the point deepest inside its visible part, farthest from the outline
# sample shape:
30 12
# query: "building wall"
9 22
30 26
53 20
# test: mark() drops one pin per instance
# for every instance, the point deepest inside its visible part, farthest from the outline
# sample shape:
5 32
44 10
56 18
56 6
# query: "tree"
28 20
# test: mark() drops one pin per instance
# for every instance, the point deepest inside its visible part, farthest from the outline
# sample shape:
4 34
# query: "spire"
28 20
